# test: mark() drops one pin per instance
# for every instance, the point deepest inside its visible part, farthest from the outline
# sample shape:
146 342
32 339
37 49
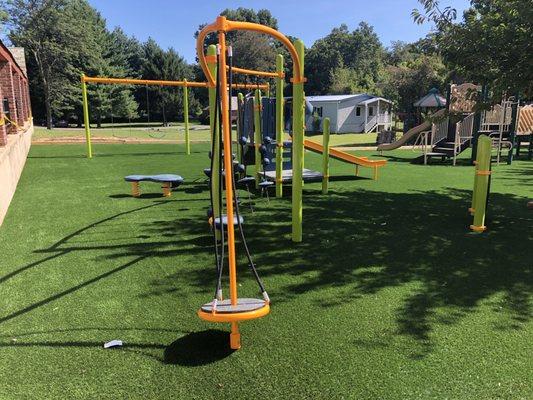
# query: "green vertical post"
186 117
280 85
257 135
325 155
212 66
298 148
86 117
240 101
481 185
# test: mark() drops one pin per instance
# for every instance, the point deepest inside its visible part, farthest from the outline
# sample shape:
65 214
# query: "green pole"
86 117
481 185
280 84
186 117
257 135
211 51
240 100
325 156
298 148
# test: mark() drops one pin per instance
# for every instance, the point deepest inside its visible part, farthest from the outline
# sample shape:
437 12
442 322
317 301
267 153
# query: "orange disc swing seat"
245 309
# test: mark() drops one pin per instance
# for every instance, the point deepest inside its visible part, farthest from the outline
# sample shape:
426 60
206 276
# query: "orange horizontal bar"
256 73
131 81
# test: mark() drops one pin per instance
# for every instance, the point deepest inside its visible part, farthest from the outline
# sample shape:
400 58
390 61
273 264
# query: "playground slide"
411 133
343 156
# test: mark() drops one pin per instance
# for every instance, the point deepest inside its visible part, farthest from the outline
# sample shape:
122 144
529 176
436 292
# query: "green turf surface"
388 297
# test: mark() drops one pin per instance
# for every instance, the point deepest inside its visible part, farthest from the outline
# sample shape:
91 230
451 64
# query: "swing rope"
237 211
219 253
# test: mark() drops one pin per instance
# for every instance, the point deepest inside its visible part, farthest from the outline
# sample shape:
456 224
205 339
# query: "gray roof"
361 98
433 100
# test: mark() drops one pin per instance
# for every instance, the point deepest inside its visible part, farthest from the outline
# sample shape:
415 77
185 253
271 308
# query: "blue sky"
173 23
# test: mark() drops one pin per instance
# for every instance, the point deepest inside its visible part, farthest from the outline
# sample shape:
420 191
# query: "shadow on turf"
357 243
198 348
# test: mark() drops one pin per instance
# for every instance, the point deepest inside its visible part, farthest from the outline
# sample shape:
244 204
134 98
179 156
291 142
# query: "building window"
370 111
5 106
317 111
358 111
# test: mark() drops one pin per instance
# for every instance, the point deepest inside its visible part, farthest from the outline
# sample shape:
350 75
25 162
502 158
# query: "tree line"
65 38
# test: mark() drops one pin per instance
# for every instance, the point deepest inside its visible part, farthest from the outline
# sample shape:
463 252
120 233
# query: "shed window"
358 111
317 111
370 111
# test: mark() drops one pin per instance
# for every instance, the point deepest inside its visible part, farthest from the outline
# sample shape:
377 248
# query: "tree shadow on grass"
360 242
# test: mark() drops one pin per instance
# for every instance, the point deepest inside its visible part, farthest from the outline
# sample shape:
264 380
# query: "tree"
251 50
356 56
63 39
52 34
491 44
412 69
165 65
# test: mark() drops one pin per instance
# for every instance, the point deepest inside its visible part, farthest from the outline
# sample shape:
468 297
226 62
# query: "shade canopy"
431 100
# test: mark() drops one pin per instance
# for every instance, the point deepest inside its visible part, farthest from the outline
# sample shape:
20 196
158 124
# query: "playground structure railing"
463 132
499 117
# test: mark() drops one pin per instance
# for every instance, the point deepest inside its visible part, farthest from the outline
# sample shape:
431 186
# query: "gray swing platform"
169 181
225 221
308 175
161 178
243 305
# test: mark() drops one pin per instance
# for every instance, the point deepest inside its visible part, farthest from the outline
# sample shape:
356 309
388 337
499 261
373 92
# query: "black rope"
218 256
220 175
236 201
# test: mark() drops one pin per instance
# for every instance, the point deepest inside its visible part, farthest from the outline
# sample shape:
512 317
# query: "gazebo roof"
431 100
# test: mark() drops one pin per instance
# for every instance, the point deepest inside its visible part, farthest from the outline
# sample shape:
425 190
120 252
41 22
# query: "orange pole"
130 81
235 336
228 161
244 71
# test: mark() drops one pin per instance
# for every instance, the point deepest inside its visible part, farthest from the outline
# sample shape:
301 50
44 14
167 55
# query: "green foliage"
491 44
345 61
410 72
166 102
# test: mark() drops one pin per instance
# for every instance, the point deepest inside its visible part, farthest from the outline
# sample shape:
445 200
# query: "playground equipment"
146 82
480 194
215 66
272 158
441 137
168 182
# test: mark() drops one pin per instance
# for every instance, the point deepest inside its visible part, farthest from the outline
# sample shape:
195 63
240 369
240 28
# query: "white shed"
354 113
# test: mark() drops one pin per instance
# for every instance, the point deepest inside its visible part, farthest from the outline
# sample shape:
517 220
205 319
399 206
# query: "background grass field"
388 297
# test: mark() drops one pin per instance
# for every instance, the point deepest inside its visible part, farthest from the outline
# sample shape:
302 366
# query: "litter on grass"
112 343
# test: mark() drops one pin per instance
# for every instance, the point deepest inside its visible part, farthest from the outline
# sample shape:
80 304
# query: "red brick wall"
3 130
19 103
8 90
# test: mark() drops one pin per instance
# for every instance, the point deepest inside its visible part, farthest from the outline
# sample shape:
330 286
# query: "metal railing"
463 132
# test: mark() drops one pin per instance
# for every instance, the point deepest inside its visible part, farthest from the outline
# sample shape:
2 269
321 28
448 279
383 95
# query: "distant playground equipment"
482 179
261 124
451 130
146 82
168 182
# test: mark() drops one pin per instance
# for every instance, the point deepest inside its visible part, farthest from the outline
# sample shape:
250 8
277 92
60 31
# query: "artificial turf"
388 297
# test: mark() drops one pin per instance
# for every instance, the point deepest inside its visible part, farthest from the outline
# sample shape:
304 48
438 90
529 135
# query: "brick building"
14 94
16 127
